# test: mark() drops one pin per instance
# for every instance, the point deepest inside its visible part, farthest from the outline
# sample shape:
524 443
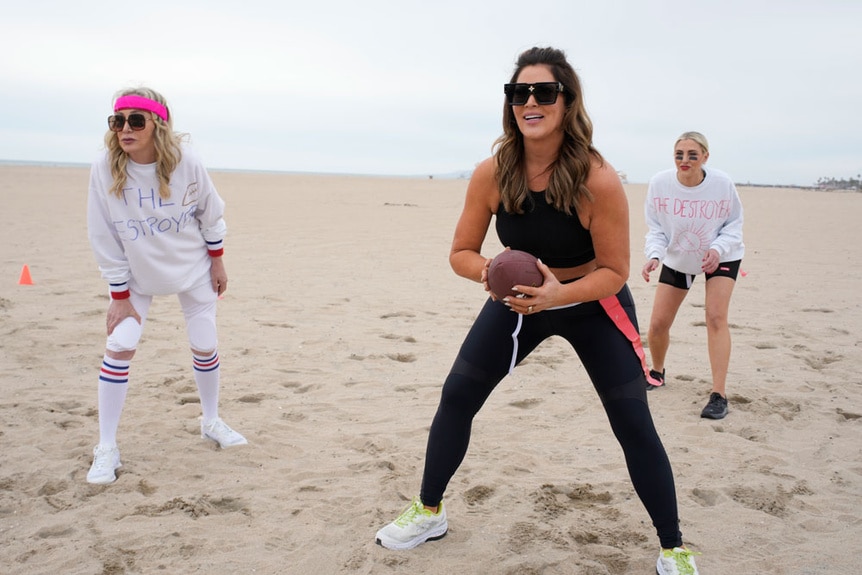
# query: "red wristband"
120 294
216 253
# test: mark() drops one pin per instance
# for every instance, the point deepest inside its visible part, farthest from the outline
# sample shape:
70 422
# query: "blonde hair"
696 137
167 143
573 164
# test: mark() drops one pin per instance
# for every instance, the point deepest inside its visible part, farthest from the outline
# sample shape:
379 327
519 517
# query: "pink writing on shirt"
701 209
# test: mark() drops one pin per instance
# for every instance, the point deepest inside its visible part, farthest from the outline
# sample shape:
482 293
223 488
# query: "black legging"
617 374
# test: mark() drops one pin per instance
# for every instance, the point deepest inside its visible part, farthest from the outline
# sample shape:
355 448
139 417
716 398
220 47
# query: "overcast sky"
406 87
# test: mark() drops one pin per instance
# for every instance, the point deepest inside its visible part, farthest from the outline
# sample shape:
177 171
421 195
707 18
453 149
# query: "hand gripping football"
511 268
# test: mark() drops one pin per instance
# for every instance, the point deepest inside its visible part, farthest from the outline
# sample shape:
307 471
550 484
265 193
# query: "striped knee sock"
207 379
113 384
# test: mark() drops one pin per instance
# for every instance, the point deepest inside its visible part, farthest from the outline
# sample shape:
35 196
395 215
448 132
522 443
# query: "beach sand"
340 322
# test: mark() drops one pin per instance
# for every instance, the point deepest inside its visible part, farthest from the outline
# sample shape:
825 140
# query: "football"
511 268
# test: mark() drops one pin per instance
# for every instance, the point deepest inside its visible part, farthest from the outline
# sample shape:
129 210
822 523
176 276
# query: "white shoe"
106 460
414 526
221 433
676 561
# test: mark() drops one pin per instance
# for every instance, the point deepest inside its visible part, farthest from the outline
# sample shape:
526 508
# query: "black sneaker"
659 377
716 408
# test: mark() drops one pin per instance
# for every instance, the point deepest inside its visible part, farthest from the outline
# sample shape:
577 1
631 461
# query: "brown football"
510 268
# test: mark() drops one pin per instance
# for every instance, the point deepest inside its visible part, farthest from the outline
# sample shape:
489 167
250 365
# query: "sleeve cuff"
216 248
119 291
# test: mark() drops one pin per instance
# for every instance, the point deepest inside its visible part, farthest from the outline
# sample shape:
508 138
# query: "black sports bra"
559 240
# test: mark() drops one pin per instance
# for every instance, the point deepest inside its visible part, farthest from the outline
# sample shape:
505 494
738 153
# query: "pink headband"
141 103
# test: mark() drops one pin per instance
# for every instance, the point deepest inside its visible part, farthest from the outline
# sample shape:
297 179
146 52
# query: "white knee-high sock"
113 384
207 380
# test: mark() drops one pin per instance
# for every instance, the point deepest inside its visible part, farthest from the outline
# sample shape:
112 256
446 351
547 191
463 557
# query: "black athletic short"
681 280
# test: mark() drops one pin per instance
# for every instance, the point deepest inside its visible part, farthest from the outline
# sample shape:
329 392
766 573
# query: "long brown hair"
569 171
168 151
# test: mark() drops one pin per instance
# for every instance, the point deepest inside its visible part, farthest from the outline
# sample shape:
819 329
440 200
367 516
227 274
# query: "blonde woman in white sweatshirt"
694 217
156 227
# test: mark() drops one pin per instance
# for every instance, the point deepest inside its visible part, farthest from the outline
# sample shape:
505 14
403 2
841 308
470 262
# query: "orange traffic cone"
25 279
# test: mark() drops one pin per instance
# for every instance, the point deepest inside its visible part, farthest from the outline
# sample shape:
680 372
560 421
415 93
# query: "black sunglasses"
118 121
545 93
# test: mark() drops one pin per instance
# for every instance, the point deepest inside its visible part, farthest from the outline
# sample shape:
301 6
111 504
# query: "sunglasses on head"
118 121
545 93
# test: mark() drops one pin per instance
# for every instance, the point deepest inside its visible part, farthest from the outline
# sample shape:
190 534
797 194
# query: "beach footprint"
477 494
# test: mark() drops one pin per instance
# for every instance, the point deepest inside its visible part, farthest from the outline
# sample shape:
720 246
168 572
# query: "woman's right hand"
485 278
118 310
650 266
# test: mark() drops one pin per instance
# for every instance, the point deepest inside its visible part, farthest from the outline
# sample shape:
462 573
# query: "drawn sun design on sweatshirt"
693 239
192 193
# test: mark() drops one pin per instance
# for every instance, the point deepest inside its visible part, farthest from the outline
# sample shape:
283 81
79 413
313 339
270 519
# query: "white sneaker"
414 526
106 460
221 433
676 561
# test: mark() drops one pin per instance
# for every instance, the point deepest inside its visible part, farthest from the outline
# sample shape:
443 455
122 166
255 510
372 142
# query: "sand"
340 322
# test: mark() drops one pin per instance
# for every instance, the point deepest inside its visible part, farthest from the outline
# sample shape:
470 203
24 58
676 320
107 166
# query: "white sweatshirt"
684 223
155 246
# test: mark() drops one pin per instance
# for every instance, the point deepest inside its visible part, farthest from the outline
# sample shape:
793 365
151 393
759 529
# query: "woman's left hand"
218 275
710 261
535 299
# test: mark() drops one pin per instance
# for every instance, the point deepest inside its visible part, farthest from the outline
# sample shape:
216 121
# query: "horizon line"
453 175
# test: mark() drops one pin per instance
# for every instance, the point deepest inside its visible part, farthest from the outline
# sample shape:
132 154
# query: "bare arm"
609 228
479 205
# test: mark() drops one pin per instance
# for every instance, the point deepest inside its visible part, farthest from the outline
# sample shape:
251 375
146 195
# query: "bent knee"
659 326
202 334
